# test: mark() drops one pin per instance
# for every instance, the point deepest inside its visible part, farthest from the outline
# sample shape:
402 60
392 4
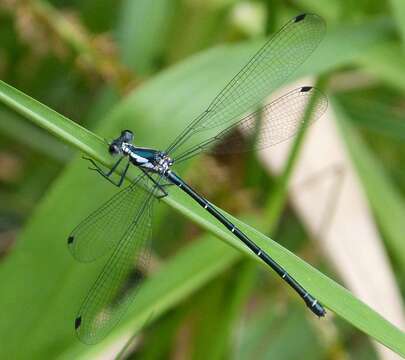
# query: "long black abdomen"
309 300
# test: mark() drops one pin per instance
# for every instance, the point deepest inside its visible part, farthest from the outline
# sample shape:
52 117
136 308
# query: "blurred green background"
148 65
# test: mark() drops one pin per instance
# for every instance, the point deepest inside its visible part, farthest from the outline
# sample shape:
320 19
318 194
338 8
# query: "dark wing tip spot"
70 239
300 17
306 88
78 321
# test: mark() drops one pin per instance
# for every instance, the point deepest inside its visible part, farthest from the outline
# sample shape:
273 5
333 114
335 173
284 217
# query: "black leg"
100 170
121 180
162 195
161 188
106 175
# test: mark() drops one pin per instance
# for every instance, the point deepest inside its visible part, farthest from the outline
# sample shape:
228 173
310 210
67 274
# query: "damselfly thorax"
152 160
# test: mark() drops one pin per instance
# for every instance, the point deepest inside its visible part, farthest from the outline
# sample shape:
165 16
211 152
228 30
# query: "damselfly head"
114 148
127 136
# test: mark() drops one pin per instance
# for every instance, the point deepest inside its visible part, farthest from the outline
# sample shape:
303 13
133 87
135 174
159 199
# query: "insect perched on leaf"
122 226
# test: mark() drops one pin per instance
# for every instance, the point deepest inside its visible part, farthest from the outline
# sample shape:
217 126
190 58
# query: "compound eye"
127 135
114 149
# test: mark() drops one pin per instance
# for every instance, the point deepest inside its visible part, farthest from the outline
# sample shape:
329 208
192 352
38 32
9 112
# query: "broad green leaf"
374 113
385 199
385 62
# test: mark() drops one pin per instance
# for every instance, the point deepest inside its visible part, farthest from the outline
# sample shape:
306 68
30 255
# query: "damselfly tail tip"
314 305
318 310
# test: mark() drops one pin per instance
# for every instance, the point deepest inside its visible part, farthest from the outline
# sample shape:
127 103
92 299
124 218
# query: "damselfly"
123 224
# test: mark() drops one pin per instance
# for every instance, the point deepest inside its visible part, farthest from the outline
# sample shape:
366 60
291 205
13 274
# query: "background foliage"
152 66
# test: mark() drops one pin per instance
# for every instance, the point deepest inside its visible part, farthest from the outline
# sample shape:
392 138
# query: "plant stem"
276 203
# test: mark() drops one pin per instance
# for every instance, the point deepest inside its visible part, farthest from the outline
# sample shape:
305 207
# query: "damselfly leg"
107 174
161 187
